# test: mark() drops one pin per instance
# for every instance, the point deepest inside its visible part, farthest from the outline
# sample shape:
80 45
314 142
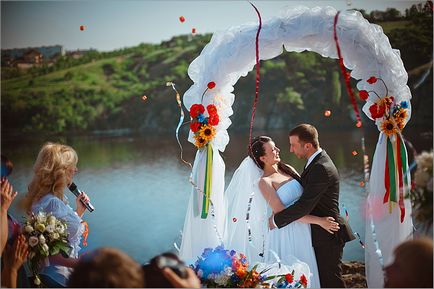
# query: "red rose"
213 119
377 111
212 109
289 278
196 109
303 281
194 126
363 95
211 85
372 80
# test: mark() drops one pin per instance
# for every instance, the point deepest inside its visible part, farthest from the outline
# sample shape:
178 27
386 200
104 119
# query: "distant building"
28 57
76 54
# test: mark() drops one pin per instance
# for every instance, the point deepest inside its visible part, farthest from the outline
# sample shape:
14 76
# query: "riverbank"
354 274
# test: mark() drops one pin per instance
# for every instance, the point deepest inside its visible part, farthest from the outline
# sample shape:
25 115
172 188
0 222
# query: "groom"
320 181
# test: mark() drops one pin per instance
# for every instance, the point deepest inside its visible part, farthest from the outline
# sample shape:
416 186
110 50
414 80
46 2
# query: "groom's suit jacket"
320 181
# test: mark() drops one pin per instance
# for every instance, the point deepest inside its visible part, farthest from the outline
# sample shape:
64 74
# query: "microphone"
73 188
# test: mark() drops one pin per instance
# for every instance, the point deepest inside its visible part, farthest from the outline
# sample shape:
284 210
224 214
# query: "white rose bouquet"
47 236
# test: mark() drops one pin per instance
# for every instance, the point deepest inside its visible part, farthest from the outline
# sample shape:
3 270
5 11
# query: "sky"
117 24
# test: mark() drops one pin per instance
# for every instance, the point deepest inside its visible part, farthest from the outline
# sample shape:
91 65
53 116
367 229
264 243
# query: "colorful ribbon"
345 74
208 182
396 174
255 101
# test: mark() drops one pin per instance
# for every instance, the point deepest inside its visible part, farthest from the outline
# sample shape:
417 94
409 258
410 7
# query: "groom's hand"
271 222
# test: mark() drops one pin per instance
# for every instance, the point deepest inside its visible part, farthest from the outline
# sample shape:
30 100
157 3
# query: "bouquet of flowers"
47 236
220 268
203 126
422 189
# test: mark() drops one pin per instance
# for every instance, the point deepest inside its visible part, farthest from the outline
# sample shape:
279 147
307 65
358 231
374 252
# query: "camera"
175 264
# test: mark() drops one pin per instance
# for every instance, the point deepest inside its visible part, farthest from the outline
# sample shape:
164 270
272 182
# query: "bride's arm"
327 223
270 196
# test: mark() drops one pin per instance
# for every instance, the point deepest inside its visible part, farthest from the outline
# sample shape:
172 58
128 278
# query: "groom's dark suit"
320 181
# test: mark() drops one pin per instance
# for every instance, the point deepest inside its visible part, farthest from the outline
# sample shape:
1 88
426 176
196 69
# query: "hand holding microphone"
73 188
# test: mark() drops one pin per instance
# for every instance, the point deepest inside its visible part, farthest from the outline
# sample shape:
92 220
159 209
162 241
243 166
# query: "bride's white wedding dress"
250 235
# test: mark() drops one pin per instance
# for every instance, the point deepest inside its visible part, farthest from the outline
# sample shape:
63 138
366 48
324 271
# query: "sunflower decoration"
207 132
388 127
203 122
390 113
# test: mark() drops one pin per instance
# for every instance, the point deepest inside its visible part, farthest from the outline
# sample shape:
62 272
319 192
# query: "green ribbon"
208 182
391 160
404 161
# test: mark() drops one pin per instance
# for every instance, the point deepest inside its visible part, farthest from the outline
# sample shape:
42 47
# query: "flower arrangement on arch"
203 126
220 268
46 236
392 115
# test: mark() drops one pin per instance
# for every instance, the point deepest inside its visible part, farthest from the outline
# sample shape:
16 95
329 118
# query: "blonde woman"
54 170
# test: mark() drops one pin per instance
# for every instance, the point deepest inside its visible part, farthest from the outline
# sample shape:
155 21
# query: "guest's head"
154 277
106 268
264 152
53 170
412 266
303 140
7 166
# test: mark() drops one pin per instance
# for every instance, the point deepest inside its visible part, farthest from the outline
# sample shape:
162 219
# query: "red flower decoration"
211 85
303 281
363 95
194 126
212 109
196 109
213 119
182 18
289 278
372 80
377 111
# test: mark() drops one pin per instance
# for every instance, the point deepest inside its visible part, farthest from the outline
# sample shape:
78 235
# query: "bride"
262 182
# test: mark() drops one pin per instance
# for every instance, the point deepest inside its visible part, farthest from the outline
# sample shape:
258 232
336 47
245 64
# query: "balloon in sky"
182 19
82 27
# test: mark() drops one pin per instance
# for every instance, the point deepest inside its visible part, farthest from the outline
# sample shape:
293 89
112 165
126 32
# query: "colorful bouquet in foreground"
220 268
422 190
47 236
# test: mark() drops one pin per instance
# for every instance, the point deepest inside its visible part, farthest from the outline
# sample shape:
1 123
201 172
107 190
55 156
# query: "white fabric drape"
199 233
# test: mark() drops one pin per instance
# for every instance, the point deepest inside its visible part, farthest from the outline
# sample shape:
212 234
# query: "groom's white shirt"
312 157
309 160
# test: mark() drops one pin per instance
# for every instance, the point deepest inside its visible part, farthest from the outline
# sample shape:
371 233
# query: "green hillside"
104 90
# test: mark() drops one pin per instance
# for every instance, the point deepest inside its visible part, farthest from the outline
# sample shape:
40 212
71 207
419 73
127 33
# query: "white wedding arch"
231 54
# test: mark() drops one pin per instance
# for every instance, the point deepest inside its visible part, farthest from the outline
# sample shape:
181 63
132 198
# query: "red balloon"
193 30
181 18
82 27
234 219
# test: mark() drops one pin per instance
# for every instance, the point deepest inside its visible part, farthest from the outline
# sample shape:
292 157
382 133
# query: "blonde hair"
50 173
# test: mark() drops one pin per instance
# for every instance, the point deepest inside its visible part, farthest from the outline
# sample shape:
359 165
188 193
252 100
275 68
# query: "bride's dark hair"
256 151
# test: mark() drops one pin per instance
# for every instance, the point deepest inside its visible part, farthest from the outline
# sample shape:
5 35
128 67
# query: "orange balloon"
327 113
362 184
82 27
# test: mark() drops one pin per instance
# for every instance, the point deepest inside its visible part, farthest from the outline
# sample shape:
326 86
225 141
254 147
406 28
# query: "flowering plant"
47 236
422 189
220 268
203 126
392 116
